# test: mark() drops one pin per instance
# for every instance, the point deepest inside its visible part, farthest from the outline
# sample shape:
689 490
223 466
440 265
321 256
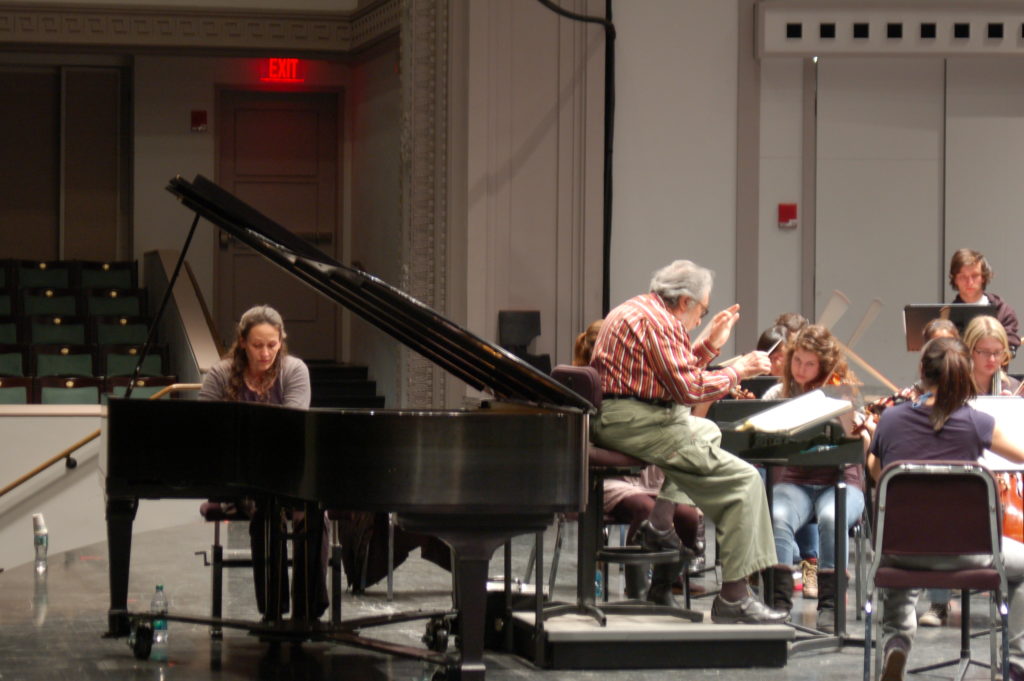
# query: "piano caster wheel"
141 641
436 635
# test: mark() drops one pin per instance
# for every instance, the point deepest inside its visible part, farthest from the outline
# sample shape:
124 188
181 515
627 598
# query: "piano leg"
120 516
473 547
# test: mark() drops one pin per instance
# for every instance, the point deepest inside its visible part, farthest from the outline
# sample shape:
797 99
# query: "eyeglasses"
994 354
704 311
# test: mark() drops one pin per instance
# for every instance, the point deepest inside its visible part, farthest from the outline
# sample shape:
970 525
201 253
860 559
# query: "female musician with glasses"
986 338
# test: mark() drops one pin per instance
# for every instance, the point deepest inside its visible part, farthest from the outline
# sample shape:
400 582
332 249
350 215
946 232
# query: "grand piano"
473 478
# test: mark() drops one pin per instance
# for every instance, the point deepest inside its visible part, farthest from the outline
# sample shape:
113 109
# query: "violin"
1011 498
738 392
875 409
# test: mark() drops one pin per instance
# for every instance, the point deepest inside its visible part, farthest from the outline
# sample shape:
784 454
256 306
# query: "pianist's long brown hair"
254 316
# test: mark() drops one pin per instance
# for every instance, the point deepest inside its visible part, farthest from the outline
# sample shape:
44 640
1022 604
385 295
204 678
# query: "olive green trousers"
728 489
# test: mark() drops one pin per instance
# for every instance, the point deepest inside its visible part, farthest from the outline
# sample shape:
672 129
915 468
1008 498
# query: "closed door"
279 153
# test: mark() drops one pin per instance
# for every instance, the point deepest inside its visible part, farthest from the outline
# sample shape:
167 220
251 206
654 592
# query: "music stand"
916 316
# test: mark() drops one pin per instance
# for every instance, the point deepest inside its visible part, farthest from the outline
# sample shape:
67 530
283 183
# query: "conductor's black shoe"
749 610
658 540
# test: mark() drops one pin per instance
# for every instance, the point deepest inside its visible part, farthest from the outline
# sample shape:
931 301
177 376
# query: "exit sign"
283 70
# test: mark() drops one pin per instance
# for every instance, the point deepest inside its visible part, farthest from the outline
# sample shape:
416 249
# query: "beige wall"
532 183
376 238
166 90
675 142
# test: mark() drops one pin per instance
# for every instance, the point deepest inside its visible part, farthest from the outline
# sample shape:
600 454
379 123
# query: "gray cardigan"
294 380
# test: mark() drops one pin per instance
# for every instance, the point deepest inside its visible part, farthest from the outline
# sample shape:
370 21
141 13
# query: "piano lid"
476 361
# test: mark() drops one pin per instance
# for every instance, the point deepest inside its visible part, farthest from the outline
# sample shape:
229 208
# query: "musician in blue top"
941 425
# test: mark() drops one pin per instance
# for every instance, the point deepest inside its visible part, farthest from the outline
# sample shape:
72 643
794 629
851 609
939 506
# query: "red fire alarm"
787 216
198 120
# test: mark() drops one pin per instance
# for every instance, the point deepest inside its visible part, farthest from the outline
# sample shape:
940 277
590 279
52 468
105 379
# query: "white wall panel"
879 193
675 148
984 170
780 270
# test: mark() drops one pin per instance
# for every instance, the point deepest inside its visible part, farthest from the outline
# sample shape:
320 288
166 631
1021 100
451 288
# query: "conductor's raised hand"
721 324
753 364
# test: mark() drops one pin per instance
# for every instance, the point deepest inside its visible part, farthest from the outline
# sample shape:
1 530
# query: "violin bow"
866 321
834 309
867 367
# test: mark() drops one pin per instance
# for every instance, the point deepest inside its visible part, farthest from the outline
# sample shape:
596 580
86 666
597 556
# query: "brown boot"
827 601
782 594
662 577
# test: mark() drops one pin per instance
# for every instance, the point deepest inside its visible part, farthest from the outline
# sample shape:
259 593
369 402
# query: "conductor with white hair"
651 374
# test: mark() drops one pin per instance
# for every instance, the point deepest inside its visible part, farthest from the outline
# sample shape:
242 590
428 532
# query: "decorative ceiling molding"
120 27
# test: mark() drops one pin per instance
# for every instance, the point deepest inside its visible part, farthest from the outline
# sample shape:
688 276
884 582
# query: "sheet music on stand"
1009 414
798 414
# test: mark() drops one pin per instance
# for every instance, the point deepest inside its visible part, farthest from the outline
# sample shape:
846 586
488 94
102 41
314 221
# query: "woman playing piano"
258 368
802 494
941 425
986 338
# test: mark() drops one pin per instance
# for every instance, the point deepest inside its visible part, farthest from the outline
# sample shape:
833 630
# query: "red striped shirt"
642 350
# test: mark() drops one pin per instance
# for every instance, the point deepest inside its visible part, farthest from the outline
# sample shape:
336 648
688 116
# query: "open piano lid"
479 363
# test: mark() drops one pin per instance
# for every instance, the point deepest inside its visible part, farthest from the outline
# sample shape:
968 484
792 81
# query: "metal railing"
66 454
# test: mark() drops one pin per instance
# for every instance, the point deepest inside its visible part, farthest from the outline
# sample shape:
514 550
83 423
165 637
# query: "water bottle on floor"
41 539
158 606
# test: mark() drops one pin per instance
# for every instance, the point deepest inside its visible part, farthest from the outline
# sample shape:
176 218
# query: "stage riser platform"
577 644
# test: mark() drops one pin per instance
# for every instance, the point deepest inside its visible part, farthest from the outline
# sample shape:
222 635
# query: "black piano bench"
216 513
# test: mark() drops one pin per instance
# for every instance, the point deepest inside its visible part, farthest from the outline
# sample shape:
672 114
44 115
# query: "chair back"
917 515
584 381
63 360
145 387
115 301
12 330
16 389
68 390
48 329
120 274
55 274
120 330
120 360
13 360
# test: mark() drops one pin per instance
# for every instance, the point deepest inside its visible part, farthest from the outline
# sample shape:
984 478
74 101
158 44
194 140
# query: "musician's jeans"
793 506
728 489
899 613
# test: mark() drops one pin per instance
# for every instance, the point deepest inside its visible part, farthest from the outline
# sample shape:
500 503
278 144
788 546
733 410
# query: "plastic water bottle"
41 539
158 606
599 585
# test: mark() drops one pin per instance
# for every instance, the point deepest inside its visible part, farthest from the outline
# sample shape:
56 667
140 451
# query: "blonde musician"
986 338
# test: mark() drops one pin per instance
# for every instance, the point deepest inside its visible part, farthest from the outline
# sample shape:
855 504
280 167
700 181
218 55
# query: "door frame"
342 210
